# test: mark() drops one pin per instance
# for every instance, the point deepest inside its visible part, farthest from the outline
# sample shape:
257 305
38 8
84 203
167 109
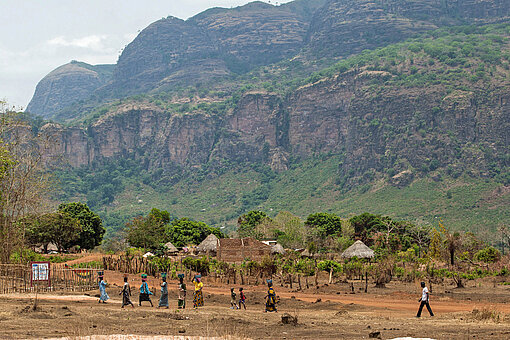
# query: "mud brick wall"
237 250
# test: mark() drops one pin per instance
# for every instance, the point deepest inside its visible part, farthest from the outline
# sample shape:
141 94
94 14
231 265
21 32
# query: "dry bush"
487 314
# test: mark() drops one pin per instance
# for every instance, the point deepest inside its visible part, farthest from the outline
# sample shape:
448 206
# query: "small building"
209 246
171 249
359 250
238 250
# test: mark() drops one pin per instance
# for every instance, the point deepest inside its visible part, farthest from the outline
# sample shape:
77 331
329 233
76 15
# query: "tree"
183 232
24 183
92 231
365 224
453 241
434 251
147 232
247 223
57 227
330 267
420 235
324 224
488 255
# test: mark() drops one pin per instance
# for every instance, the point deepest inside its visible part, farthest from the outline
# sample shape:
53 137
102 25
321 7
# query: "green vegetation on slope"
464 203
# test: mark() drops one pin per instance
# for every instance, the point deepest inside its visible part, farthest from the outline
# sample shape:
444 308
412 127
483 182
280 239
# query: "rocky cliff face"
373 133
212 44
66 85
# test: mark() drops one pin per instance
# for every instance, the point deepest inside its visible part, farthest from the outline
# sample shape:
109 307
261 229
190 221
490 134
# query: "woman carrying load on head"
163 300
270 297
126 293
145 293
198 297
182 293
102 289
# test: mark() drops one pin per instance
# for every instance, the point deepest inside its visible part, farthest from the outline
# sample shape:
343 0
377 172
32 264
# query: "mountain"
67 85
295 113
221 43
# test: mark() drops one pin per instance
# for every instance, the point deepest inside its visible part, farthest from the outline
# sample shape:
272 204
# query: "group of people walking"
198 297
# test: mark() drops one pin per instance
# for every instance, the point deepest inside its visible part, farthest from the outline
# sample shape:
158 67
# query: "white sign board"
40 271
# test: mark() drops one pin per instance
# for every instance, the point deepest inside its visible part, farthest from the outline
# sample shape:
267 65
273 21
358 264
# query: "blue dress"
163 300
102 291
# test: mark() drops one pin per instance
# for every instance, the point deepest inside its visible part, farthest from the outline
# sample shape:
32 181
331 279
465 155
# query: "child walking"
242 298
233 299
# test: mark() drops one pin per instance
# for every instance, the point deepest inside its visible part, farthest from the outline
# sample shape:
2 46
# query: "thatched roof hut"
358 249
209 245
170 248
277 249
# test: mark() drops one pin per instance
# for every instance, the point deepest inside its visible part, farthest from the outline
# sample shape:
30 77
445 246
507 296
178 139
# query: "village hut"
209 245
170 248
277 249
358 249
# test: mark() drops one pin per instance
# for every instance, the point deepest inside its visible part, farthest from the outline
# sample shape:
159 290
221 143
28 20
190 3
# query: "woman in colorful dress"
126 294
145 293
102 289
198 296
163 300
271 297
181 303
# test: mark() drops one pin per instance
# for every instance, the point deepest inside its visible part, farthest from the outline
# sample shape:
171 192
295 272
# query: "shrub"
488 255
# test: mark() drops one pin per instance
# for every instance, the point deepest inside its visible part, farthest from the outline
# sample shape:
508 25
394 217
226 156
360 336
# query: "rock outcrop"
66 85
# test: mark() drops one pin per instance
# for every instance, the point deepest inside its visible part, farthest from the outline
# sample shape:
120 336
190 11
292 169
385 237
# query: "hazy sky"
37 36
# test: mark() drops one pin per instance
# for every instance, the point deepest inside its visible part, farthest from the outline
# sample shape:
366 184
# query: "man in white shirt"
424 301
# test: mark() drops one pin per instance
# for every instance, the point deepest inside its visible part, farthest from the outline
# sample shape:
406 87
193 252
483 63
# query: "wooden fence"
130 265
17 279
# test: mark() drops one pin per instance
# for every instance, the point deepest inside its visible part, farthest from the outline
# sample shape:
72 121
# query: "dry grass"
487 314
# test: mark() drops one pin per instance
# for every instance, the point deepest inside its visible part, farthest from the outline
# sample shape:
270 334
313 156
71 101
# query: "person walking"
145 293
242 298
126 293
424 301
163 300
270 297
103 296
233 299
181 303
198 296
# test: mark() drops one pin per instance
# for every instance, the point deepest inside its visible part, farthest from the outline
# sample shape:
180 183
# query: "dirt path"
396 304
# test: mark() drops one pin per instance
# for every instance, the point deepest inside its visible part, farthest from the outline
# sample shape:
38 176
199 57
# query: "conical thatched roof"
277 249
209 244
171 248
358 249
